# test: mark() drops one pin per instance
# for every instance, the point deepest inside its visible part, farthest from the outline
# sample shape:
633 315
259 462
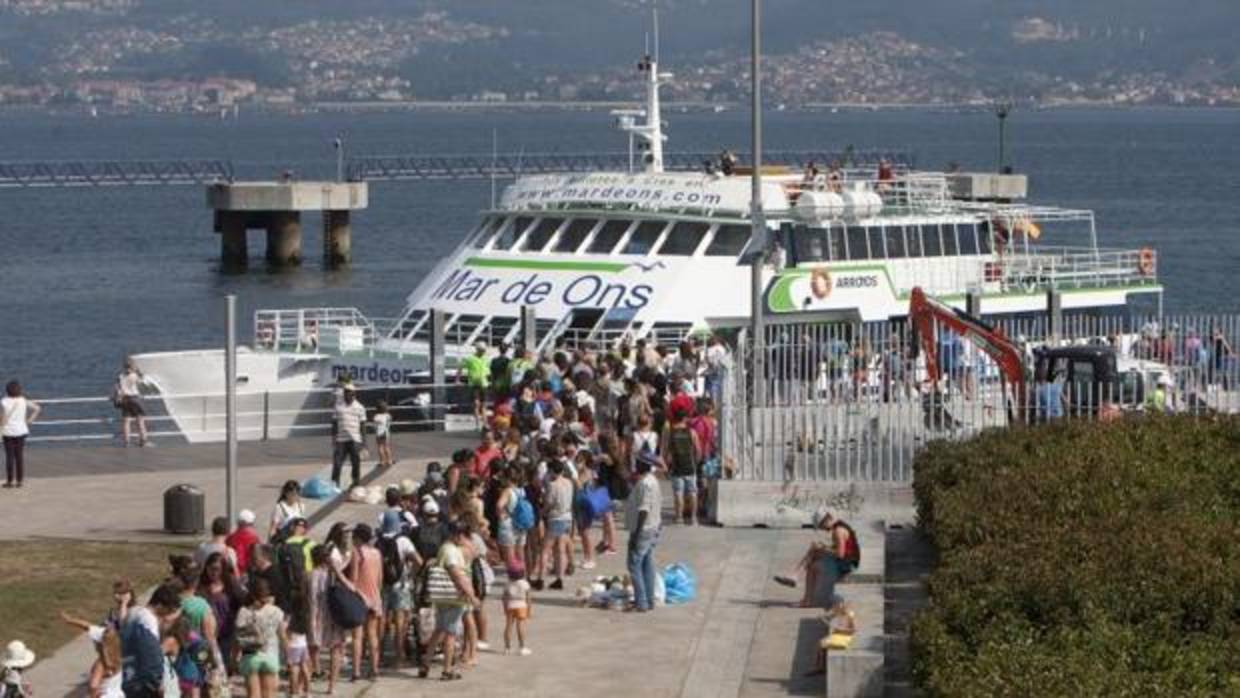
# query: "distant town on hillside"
178 55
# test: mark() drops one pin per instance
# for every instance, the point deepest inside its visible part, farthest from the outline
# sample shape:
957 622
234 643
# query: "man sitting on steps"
833 560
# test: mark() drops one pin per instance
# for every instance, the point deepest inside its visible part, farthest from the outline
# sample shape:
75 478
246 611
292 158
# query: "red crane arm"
924 312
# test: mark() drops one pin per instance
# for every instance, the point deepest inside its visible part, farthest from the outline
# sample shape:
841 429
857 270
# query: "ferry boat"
659 254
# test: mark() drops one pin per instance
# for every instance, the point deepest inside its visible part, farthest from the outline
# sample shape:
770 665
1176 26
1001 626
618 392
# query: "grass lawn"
41 578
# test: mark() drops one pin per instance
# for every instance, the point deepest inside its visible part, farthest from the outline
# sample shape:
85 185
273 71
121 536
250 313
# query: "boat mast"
650 132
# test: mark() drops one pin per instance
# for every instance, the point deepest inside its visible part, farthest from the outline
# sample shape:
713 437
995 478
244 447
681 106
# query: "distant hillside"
1136 49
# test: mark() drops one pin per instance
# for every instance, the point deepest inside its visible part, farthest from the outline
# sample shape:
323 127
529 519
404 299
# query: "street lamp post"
1003 109
757 216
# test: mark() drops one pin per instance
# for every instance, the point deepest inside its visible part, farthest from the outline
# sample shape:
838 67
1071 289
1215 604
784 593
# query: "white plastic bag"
660 591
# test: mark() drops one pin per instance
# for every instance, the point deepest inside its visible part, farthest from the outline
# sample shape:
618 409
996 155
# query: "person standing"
242 541
17 413
349 417
450 612
383 433
475 370
142 658
217 544
366 574
559 516
128 398
683 454
644 522
288 508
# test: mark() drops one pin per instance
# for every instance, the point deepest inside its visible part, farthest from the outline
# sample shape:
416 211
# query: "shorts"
259 663
450 619
522 613
684 484
424 621
559 527
131 407
397 598
297 655
381 439
509 535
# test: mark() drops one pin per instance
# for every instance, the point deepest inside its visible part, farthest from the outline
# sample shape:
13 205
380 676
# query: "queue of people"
572 441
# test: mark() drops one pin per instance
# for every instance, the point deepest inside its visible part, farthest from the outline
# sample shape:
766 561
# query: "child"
298 665
16 657
105 674
517 607
383 432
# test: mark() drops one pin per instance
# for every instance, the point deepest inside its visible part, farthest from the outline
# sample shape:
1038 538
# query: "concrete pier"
337 239
276 207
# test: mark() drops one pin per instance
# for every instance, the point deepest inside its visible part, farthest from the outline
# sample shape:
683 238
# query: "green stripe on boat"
544 264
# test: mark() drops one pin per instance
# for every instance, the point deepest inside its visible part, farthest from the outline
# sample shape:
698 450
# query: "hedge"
1083 559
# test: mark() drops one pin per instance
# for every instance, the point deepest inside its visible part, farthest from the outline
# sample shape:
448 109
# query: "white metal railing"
310 330
1045 267
260 415
903 193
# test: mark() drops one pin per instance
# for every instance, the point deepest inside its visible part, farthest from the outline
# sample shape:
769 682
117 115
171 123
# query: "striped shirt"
349 418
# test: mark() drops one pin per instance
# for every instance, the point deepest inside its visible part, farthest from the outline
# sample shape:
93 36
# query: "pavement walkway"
741 637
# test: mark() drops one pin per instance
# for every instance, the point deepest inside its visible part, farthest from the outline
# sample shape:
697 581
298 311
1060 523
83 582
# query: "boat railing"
311 330
1075 267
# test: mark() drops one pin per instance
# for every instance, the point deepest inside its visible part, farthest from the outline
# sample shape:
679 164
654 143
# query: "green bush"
1083 559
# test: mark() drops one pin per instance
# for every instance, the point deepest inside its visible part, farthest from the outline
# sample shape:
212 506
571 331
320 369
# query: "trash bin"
184 509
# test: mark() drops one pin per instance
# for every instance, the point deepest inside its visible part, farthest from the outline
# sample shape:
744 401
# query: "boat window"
930 241
835 244
512 232
644 237
912 240
895 241
949 239
684 239
983 237
574 234
877 251
485 231
541 234
967 232
606 238
857 248
809 244
728 241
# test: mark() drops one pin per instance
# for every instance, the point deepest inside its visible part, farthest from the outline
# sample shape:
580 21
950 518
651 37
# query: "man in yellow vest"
476 372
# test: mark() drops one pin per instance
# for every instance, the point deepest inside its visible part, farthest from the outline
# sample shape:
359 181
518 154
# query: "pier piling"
276 207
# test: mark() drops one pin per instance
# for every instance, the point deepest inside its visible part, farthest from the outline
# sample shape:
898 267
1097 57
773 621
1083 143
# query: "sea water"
91 275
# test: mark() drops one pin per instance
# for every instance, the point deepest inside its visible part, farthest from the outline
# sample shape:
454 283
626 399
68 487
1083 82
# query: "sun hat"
408 487
17 655
820 516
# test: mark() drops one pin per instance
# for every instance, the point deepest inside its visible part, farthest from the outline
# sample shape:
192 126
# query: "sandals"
786 581
450 676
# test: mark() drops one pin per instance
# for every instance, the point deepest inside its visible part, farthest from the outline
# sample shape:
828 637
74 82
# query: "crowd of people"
570 441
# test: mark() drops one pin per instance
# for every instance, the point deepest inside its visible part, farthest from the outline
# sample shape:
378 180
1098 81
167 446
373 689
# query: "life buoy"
1145 261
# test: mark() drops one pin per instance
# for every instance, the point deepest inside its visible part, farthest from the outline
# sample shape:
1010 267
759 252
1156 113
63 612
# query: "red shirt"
242 541
482 461
683 403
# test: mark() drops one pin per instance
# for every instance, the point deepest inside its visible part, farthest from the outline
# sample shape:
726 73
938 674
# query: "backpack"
523 514
291 559
393 566
680 453
852 551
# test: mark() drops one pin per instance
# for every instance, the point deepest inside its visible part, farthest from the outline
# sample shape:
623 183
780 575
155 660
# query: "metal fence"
853 401
260 415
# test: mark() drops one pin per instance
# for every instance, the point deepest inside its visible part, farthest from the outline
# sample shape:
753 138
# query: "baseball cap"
429 505
246 516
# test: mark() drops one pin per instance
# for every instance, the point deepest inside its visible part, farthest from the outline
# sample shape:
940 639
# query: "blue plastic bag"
680 583
318 488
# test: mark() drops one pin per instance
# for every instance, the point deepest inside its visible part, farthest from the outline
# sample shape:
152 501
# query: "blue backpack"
522 513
